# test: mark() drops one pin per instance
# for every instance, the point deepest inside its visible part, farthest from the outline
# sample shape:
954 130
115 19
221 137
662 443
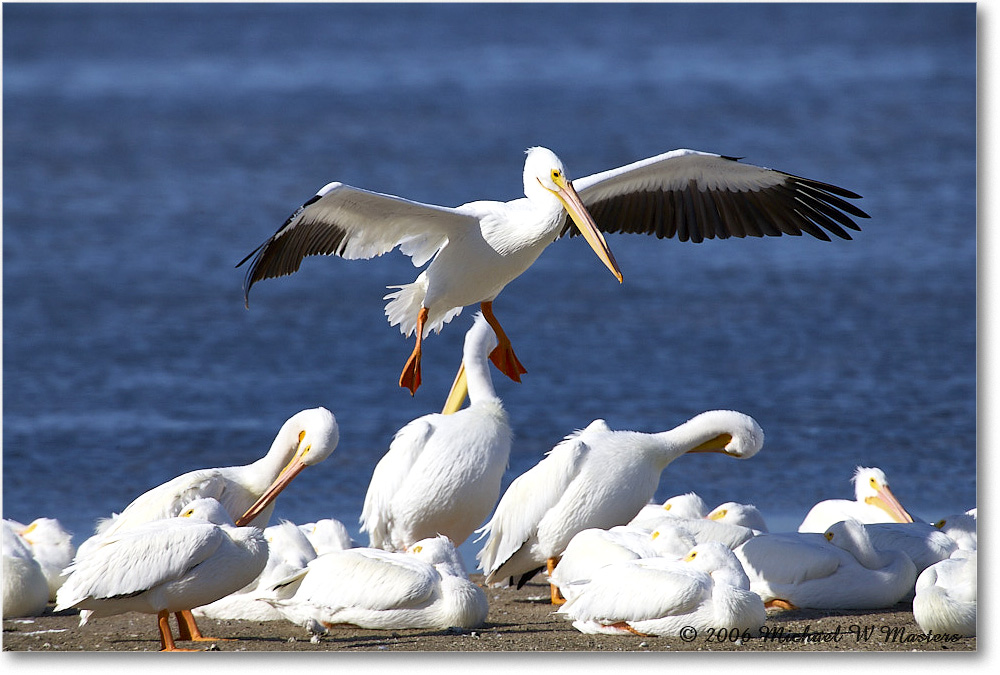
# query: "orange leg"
187 629
503 356
778 603
557 598
166 639
624 626
410 377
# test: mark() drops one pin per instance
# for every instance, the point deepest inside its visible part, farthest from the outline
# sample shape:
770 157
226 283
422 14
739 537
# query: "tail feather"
404 305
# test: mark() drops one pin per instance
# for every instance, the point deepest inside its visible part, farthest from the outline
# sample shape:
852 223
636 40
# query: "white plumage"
688 505
25 589
840 569
442 472
307 438
164 566
479 247
288 552
51 546
734 513
873 502
426 587
595 478
946 595
657 596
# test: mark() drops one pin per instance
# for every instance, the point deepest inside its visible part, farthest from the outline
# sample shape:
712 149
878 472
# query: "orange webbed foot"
506 361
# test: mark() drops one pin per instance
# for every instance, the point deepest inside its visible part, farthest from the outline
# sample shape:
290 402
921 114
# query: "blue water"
148 148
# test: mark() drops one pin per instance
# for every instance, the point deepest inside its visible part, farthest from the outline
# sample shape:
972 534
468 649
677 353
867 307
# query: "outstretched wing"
353 223
698 195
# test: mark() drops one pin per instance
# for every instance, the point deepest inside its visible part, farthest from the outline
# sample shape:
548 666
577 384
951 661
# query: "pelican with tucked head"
480 247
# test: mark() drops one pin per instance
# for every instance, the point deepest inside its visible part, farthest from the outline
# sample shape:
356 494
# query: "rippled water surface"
147 149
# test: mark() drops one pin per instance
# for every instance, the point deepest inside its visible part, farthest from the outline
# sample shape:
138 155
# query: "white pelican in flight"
442 472
307 438
839 569
426 587
595 478
873 503
480 247
164 566
945 599
705 590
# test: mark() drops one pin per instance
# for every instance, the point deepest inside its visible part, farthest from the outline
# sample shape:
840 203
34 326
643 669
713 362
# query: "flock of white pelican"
201 544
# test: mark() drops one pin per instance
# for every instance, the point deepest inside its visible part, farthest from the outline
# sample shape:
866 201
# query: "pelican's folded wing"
353 223
369 579
697 195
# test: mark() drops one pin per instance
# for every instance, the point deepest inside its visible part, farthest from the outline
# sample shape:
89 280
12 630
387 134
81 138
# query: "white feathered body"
658 596
946 595
377 589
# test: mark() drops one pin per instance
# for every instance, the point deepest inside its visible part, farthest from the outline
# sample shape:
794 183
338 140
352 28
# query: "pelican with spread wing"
478 248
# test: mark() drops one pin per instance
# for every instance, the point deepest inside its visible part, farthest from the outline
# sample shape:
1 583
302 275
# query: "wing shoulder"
354 223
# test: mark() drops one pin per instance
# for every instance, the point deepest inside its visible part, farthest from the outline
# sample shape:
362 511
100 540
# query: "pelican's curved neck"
695 432
282 450
477 366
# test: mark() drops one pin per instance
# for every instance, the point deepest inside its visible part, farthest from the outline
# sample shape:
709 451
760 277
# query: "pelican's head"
872 487
206 509
544 177
317 437
730 432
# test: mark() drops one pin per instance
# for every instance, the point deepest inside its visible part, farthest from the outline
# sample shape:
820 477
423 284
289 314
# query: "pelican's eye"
187 513
828 535
655 535
302 434
556 175
691 556
873 483
939 524
418 549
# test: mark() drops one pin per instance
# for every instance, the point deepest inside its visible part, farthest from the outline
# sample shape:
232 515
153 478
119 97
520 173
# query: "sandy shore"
519 621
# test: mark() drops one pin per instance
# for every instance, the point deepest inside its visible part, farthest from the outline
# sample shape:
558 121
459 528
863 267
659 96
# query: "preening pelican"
307 438
873 503
25 589
426 587
288 552
164 566
442 473
945 600
51 546
706 590
595 478
480 247
840 569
